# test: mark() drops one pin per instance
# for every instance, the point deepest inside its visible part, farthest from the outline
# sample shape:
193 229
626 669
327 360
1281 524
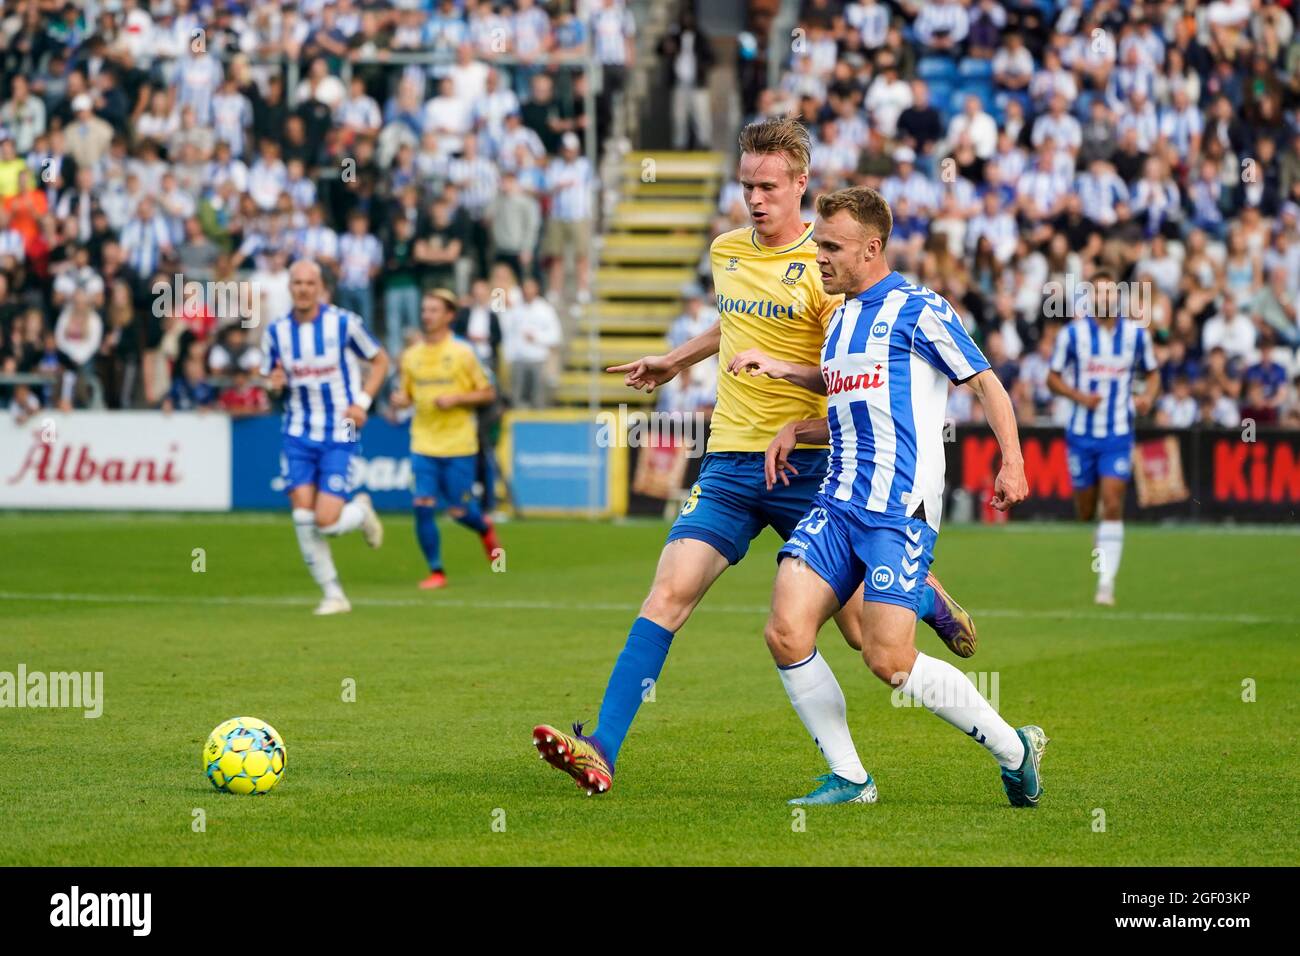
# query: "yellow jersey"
9 172
770 299
430 371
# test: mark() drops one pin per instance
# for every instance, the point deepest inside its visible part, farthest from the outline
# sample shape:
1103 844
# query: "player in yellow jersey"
444 381
771 301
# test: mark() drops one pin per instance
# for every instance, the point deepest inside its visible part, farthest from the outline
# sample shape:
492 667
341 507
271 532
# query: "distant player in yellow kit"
444 381
774 312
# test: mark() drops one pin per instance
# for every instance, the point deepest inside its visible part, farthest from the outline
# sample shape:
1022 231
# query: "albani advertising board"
129 460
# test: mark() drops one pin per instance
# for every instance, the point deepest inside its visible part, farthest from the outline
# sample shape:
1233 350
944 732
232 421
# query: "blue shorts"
324 464
1093 458
849 546
729 503
448 481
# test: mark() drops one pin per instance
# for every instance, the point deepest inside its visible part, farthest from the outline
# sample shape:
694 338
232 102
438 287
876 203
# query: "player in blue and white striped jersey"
890 352
313 354
1096 357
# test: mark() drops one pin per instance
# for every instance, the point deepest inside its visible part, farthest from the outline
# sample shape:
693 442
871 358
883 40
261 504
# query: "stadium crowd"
160 168
1026 144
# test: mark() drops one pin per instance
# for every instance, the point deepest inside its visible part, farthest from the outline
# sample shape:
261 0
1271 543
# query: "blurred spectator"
361 257
78 335
688 55
440 246
401 276
1230 330
119 356
479 324
190 392
87 137
241 398
1268 374
1177 408
570 180
530 331
516 222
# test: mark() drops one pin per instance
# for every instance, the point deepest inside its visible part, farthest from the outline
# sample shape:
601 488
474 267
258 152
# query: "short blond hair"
864 204
783 135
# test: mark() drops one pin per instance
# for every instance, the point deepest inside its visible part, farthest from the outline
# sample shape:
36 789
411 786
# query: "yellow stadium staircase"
655 236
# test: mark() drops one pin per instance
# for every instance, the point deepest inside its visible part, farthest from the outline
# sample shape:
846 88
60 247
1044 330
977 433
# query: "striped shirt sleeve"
360 340
270 351
944 343
1063 351
1146 355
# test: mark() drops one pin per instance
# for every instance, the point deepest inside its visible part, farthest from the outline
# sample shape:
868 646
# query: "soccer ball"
244 755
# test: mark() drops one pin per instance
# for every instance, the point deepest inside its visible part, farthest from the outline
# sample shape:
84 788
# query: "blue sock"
925 603
426 532
472 518
642 657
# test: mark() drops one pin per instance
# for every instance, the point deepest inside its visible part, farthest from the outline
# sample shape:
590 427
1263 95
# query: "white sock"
316 552
819 702
948 693
350 519
1110 541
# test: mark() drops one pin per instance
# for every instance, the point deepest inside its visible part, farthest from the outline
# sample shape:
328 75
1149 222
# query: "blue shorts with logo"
321 463
847 546
449 481
729 503
1093 458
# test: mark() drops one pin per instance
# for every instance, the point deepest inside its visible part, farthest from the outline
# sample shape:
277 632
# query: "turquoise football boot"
1024 786
835 789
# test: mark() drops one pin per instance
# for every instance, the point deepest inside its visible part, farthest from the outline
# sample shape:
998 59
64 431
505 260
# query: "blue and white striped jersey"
887 360
320 360
1098 360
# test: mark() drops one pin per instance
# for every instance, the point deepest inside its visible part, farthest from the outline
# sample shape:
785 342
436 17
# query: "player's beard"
834 284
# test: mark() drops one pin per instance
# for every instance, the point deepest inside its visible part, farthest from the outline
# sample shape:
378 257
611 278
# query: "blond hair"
782 135
867 207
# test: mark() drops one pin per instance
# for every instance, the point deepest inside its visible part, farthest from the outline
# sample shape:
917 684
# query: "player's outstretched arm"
776 460
650 372
757 362
1010 488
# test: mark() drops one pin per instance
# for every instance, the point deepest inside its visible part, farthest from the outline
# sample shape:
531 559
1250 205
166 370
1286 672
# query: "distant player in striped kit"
1093 366
313 354
890 351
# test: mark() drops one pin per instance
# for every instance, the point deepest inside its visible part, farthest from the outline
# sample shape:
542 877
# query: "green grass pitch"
433 763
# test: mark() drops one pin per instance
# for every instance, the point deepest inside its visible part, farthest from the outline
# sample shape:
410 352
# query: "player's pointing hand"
645 374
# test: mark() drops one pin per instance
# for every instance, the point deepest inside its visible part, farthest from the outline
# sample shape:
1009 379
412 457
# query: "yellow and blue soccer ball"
244 755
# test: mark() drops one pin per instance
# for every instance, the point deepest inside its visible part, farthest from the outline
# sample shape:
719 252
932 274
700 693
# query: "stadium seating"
654 242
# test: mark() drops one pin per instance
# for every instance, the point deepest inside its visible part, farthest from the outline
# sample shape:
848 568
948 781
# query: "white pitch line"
1179 617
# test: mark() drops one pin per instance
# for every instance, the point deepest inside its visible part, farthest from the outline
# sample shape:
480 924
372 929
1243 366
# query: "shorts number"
813 521
689 505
